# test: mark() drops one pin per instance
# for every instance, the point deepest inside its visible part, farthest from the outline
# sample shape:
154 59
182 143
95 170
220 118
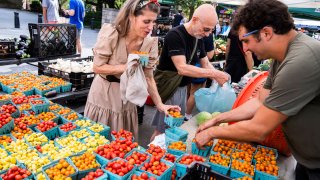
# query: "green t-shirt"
295 92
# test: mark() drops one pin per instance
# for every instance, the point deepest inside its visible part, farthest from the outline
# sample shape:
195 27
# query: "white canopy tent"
308 22
289 3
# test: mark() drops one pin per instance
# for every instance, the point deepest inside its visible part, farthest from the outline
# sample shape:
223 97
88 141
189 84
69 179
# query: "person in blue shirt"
77 12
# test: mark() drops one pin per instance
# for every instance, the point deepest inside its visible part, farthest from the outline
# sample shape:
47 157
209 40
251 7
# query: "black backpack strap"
194 47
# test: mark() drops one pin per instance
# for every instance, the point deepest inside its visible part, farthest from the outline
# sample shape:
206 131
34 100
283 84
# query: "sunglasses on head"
143 3
251 32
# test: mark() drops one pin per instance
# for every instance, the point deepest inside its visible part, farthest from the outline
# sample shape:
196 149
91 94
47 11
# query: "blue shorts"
79 32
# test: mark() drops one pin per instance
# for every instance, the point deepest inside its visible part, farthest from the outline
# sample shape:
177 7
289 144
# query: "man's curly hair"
257 14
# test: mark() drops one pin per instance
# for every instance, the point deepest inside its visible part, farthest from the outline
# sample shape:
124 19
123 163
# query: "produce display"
20 100
119 167
175 114
179 145
245 178
93 175
25 106
26 120
83 123
80 133
54 107
3 153
5 118
137 158
243 167
68 127
170 158
36 95
36 139
9 108
92 142
96 128
16 173
85 161
64 111
15 47
83 147
46 125
20 130
156 151
142 176
71 116
35 164
73 66
220 49
47 148
5 139
155 166
122 134
242 155
7 162
220 159
16 93
61 170
5 97
117 148
16 146
47 116
203 117
188 159
25 86
268 168
34 102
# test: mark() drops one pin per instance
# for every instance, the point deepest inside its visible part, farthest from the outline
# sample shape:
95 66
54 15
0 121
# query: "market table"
286 164
4 62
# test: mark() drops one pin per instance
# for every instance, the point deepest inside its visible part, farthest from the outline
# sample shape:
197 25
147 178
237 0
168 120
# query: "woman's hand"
164 108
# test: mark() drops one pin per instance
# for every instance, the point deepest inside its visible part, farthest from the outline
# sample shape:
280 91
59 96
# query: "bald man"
177 57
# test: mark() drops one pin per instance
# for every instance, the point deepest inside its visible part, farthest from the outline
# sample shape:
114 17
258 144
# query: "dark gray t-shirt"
295 92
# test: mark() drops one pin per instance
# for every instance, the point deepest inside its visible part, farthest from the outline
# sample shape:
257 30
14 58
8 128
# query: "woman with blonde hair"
128 34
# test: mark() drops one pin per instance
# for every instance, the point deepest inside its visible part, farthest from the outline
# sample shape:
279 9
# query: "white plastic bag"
215 98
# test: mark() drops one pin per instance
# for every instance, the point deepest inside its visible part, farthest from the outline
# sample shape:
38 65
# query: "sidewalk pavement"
7 29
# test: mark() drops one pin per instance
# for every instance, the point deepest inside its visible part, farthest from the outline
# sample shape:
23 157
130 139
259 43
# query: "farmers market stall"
286 164
224 156
47 43
41 139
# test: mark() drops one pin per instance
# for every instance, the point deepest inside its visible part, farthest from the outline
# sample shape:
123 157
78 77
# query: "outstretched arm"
244 112
154 94
255 129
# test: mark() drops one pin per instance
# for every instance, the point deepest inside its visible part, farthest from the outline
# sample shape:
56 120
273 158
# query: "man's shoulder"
72 2
303 39
304 46
176 32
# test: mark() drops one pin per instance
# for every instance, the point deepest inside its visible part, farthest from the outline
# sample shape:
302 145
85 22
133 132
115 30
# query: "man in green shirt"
291 94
